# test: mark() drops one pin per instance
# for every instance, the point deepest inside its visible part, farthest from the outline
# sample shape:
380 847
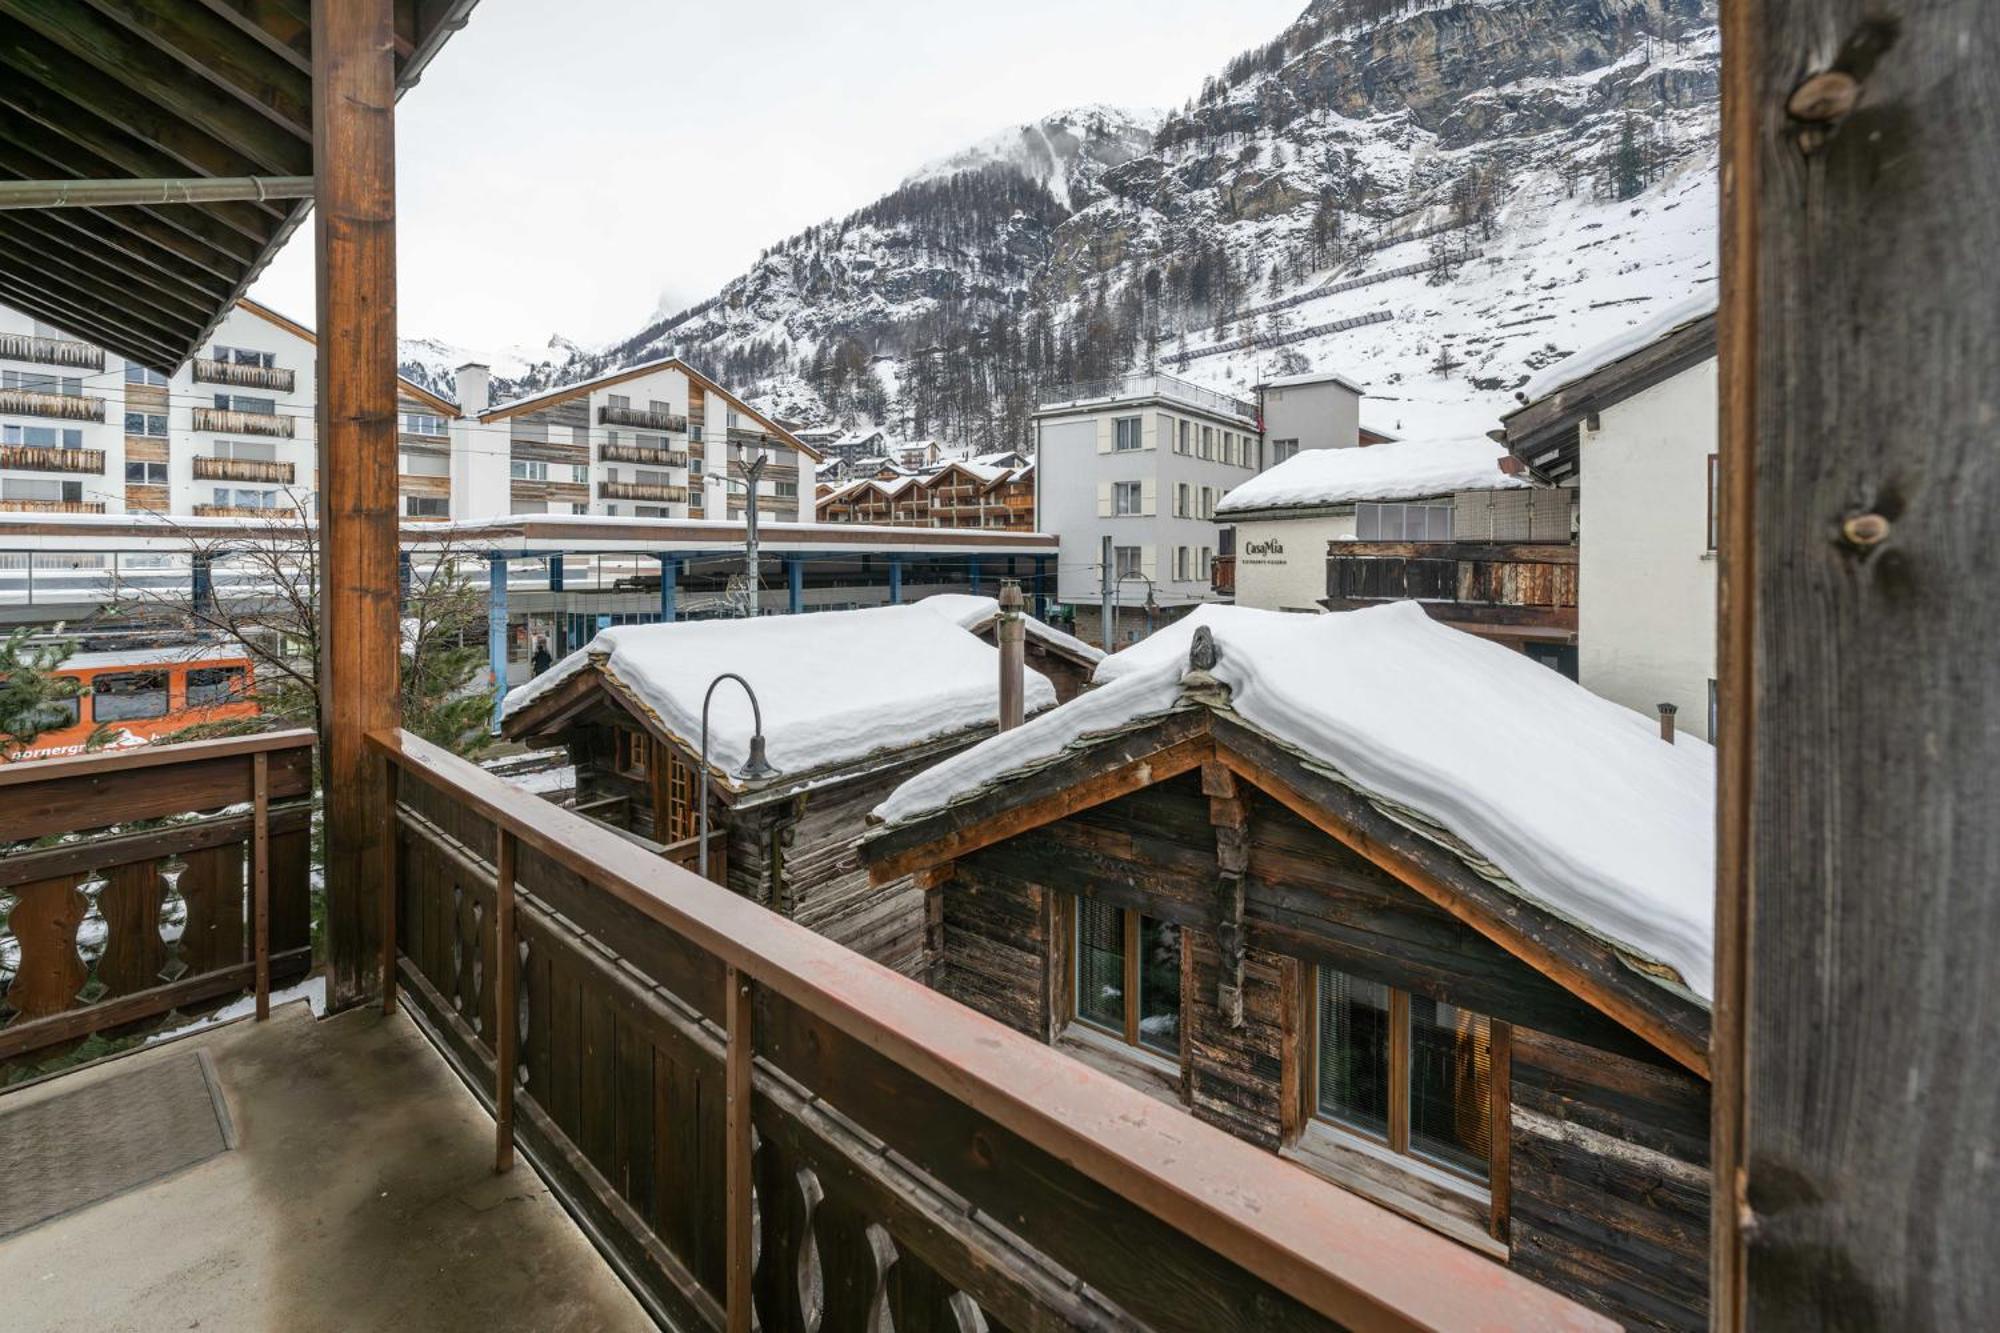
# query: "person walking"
542 659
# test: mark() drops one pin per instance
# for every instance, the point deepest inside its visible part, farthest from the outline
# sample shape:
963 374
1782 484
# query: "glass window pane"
129 695
1367 522
1354 1051
1449 1085
1160 986
207 686
1100 965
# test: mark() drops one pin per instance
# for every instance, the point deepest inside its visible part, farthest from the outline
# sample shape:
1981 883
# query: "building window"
248 451
629 752
42 437
1183 563
30 488
426 506
522 469
1125 560
1282 450
1405 1071
1207 449
1127 434
1206 570
245 356
424 465
1403 522
423 423
1125 498
138 374
128 695
67 386
580 473
1714 501
694 434
1128 976
1180 499
227 497
1208 502
659 408
785 490
145 474
151 424
237 402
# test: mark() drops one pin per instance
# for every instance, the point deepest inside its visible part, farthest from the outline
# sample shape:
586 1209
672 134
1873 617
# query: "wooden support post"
390 870
1858 937
736 1153
354 231
260 877
506 1019
1232 859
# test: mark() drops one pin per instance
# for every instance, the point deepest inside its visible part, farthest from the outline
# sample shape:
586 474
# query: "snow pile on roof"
1575 799
835 686
972 612
1621 345
1313 377
1401 470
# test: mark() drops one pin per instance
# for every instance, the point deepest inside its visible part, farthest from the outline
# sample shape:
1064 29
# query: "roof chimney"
1012 633
1667 712
475 388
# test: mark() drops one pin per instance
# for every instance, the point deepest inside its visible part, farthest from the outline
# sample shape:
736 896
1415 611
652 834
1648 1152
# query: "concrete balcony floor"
360 1195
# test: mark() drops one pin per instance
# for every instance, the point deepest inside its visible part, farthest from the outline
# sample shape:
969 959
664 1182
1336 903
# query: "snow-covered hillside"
1064 153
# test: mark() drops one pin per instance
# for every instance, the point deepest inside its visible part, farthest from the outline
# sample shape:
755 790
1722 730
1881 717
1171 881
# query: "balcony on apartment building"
37 458
242 469
1121 388
633 453
1511 585
643 419
228 422
640 490
41 403
51 351
212 370
16 506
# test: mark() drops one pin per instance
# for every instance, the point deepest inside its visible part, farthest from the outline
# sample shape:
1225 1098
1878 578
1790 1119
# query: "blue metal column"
402 574
1041 587
555 573
201 592
496 630
795 583
895 580
975 576
670 588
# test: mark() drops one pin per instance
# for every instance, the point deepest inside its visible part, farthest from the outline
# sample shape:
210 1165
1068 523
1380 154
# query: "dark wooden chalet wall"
1614 1206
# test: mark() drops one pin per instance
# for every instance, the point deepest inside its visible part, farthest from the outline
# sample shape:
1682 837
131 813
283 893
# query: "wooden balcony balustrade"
1475 583
244 423
242 469
113 930
51 506
208 370
632 453
51 351
642 419
276 513
61 406
753 1117
634 490
36 458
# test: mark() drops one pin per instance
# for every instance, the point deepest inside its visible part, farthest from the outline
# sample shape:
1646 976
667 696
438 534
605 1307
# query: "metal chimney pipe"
1012 633
1667 712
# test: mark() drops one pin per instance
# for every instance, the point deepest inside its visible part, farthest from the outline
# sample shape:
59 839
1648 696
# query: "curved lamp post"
1152 602
756 766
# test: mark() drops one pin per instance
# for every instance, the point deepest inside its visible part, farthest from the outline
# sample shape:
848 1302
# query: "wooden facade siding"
550 492
147 498
145 449
437 487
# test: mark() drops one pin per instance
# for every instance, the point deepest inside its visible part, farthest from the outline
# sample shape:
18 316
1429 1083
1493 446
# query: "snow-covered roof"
836 687
1312 377
1621 345
1574 800
176 655
1403 470
975 613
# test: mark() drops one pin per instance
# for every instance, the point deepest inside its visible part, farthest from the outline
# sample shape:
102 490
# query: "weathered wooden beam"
87 273
355 240
281 28
1859 968
126 339
144 261
230 59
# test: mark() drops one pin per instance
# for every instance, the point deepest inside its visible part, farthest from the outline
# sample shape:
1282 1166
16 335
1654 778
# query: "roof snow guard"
126 92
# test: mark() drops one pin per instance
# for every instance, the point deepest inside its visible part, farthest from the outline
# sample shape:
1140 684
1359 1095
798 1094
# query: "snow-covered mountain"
431 362
1437 197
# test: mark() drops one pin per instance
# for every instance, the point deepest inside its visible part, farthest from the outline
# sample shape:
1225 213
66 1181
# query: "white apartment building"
230 433
1632 424
660 440
1144 461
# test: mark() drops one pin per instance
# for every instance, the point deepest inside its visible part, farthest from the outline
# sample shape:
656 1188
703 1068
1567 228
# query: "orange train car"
150 692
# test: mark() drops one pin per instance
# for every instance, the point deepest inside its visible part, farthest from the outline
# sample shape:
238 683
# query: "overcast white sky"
568 165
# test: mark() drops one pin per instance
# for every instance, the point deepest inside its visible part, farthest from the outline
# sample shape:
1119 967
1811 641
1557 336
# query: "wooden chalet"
1303 950
850 704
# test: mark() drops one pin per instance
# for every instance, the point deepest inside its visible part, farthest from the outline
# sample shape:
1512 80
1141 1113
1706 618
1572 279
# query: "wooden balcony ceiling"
360 1194
145 89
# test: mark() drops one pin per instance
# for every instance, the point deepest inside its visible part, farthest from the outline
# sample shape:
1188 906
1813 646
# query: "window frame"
1128 1040
1121 491
1127 428
1714 497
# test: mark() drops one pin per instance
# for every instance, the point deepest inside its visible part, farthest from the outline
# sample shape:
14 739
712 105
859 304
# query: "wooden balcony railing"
51 506
632 453
273 512
1222 576
62 406
37 458
753 1118
242 469
1529 586
210 371
51 351
642 419
633 490
116 929
243 423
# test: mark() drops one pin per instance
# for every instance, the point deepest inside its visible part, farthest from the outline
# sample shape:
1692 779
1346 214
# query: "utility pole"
1109 608
753 468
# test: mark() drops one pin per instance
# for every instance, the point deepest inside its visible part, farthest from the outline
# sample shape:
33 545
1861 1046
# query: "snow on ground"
834 686
312 990
1405 469
1615 831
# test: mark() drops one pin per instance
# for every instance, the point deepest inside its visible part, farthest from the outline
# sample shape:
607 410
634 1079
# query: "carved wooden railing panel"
51 351
226 422
42 459
104 932
63 406
242 469
747 1115
208 370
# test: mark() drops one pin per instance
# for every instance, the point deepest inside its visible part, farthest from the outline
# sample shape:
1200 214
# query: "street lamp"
756 766
1152 602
